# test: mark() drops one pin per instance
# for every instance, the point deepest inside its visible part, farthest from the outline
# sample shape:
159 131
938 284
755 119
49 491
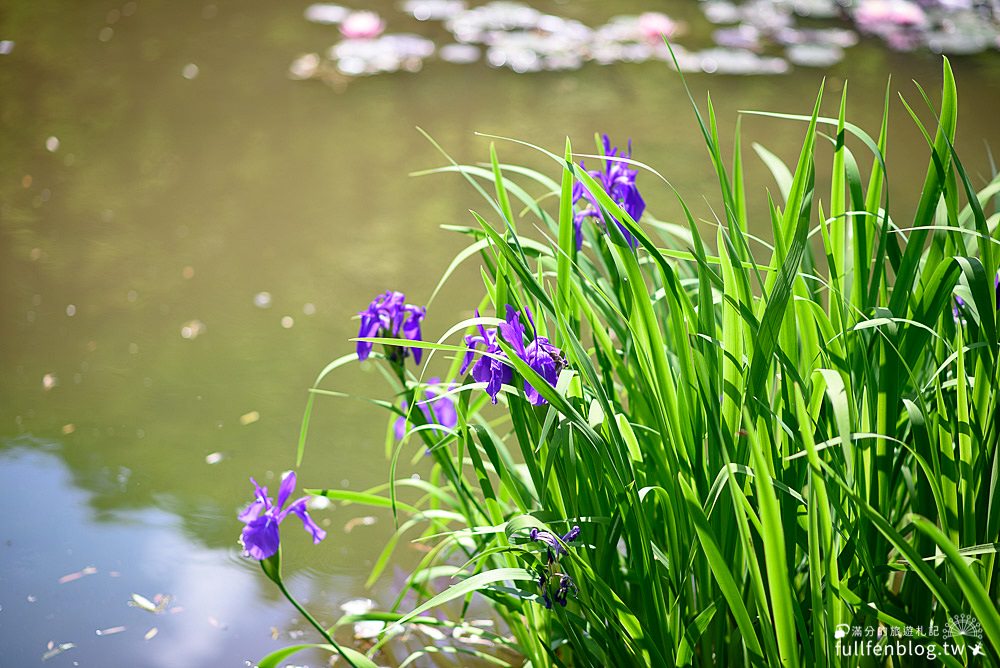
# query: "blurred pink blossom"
654 26
876 15
362 25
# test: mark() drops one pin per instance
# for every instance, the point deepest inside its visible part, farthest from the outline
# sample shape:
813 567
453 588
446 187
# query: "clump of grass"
761 454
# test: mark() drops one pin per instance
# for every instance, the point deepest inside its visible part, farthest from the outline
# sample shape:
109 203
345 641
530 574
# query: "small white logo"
965 626
842 631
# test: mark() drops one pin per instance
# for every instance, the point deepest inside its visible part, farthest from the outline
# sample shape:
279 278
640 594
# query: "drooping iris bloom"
260 537
565 584
391 317
553 546
618 181
436 411
546 359
554 549
561 594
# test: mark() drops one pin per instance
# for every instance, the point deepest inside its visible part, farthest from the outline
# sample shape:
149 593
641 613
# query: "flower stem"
312 620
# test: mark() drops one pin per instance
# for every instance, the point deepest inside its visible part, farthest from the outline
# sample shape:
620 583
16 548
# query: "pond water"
161 172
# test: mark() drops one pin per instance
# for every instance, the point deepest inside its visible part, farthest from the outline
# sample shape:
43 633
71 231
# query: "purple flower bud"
571 535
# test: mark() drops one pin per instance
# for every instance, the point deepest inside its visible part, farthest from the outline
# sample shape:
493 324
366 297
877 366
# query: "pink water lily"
362 25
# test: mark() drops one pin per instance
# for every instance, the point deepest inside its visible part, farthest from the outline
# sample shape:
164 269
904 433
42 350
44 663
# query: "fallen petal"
357 606
365 521
140 601
56 650
69 577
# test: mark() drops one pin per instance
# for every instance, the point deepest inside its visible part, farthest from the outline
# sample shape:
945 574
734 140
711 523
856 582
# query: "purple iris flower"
490 370
546 359
618 181
391 317
260 535
440 411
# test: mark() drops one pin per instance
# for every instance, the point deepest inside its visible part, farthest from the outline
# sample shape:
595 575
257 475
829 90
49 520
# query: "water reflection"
72 566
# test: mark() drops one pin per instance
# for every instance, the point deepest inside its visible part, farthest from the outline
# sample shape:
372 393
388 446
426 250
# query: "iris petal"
286 489
260 537
299 508
251 512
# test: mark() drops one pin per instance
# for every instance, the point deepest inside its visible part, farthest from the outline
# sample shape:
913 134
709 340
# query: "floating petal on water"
140 601
70 577
56 650
357 606
365 521
368 629
249 418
